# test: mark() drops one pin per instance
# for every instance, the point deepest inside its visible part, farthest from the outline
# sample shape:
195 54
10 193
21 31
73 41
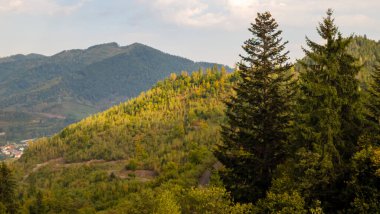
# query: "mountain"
129 156
51 92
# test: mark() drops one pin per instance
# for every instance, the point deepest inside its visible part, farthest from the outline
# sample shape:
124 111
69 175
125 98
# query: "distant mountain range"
39 95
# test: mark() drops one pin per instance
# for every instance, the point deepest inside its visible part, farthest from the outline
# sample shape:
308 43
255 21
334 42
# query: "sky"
201 30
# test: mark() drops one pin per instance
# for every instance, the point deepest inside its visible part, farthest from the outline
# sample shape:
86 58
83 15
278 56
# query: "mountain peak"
136 44
105 45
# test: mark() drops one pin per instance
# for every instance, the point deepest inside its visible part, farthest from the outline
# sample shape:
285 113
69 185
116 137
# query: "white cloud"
45 7
186 12
236 13
241 8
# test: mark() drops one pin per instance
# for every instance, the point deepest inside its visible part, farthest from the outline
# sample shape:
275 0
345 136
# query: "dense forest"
136 156
270 137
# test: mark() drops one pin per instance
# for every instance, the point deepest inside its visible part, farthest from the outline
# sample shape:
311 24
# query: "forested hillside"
367 52
142 156
58 90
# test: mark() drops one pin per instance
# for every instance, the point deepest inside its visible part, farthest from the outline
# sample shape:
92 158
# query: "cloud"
194 13
40 7
205 13
236 13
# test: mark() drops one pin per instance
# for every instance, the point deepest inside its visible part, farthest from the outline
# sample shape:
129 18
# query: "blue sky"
201 30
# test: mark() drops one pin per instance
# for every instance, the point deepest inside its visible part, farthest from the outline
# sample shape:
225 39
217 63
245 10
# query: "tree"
7 189
365 181
373 110
329 115
166 203
365 175
258 115
38 207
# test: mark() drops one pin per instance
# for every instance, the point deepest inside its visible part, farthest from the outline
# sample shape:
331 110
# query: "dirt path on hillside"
204 180
60 162
142 175
39 166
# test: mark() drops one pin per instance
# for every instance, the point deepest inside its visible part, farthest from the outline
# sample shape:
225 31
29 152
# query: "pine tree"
255 138
329 118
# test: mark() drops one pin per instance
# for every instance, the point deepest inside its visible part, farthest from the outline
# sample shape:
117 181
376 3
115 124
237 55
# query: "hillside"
130 156
368 53
66 87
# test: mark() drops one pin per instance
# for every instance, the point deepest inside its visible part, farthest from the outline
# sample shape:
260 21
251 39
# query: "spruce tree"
372 132
365 167
258 115
329 117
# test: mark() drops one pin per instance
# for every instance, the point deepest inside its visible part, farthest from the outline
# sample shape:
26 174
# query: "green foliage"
166 203
365 181
329 120
208 200
367 51
3 209
281 203
118 158
156 123
258 116
371 132
132 165
38 207
7 190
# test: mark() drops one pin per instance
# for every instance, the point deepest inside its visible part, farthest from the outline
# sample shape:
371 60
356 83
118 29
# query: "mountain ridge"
78 82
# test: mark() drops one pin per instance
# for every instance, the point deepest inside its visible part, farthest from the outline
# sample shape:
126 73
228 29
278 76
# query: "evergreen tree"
373 110
329 117
255 138
7 189
365 182
38 207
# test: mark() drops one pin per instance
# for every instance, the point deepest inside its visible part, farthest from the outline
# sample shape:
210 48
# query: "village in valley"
13 149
